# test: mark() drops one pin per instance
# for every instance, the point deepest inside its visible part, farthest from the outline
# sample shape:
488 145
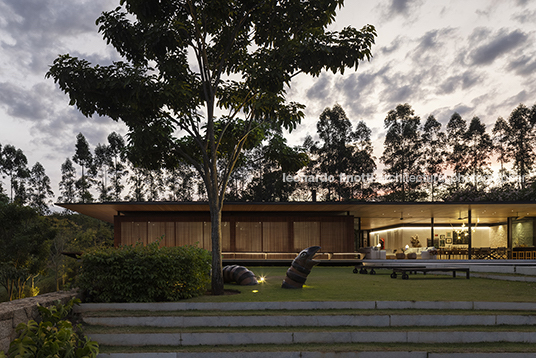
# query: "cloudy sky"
475 57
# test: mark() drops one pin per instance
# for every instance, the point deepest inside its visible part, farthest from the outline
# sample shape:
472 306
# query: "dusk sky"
475 57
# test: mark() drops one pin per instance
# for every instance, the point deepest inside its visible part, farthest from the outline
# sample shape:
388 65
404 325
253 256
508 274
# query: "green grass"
341 284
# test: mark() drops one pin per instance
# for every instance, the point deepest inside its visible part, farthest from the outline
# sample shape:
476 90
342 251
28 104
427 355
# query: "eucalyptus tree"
479 148
14 165
402 152
244 55
68 182
501 132
363 164
276 160
40 189
521 142
102 162
334 152
117 168
179 182
433 140
84 158
457 147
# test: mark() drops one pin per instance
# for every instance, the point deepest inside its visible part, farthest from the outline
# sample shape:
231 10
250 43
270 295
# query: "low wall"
21 311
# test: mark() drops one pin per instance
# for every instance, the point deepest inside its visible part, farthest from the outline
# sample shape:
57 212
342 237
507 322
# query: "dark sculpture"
300 268
239 274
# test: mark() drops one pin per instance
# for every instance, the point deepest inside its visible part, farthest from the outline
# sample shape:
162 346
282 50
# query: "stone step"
310 305
305 354
300 337
394 320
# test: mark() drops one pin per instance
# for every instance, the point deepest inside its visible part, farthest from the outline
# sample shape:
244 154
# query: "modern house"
278 230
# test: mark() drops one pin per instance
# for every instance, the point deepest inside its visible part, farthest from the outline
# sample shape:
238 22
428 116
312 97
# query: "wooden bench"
405 270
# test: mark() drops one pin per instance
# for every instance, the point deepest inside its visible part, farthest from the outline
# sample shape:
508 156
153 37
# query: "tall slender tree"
68 182
41 191
479 146
14 165
334 153
501 131
521 142
433 140
84 158
101 165
116 146
457 154
363 163
402 152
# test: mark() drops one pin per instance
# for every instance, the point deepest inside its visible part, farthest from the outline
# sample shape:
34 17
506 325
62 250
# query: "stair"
186 330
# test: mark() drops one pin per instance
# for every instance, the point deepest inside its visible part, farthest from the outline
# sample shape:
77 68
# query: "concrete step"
304 337
310 305
391 320
302 354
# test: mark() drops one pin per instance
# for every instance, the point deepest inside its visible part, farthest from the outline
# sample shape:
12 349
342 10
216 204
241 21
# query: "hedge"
144 273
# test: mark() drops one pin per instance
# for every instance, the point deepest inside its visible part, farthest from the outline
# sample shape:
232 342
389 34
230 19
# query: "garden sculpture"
239 274
300 268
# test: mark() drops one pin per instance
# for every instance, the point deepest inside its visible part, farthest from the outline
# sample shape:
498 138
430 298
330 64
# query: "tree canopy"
202 80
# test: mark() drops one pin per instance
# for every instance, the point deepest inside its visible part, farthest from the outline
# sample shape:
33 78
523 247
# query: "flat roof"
373 214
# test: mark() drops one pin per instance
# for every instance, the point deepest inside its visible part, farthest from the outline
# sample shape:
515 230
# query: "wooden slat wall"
189 233
306 233
225 236
275 236
248 236
166 229
333 237
242 233
134 232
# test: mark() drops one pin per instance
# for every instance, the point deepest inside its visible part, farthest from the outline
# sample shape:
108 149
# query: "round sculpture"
240 275
300 268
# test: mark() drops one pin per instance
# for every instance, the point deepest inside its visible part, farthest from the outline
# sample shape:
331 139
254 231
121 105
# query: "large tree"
84 158
479 147
433 140
521 142
402 152
457 146
200 77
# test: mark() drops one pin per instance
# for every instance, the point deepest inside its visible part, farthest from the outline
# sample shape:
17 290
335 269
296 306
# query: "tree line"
453 163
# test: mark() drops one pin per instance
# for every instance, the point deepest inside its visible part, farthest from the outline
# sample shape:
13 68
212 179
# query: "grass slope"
341 284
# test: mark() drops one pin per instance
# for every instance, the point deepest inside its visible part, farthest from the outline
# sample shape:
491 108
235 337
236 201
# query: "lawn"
341 284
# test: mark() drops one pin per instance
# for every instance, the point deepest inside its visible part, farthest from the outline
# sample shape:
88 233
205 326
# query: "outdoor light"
262 279
407 247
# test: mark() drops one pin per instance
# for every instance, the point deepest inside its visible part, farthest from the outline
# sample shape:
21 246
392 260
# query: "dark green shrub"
52 337
144 273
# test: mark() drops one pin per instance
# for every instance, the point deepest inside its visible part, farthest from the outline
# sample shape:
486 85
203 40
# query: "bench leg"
454 273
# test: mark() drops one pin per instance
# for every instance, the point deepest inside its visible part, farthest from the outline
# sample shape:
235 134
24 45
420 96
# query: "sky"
477 58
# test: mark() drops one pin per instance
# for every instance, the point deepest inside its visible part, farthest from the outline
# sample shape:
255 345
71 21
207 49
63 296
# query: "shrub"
52 337
144 273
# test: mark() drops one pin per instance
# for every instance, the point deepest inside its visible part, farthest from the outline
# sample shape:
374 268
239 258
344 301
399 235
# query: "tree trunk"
217 275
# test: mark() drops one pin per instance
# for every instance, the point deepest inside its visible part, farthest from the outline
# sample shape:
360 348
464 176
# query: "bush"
53 337
144 273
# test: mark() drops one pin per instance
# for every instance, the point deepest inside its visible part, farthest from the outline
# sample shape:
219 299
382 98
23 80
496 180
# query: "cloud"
24 104
462 81
38 29
503 43
321 89
525 17
523 65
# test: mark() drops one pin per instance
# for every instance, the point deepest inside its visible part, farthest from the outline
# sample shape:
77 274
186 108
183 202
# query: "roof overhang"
373 214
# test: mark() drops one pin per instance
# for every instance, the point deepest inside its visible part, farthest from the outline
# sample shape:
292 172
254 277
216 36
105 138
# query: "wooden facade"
241 232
